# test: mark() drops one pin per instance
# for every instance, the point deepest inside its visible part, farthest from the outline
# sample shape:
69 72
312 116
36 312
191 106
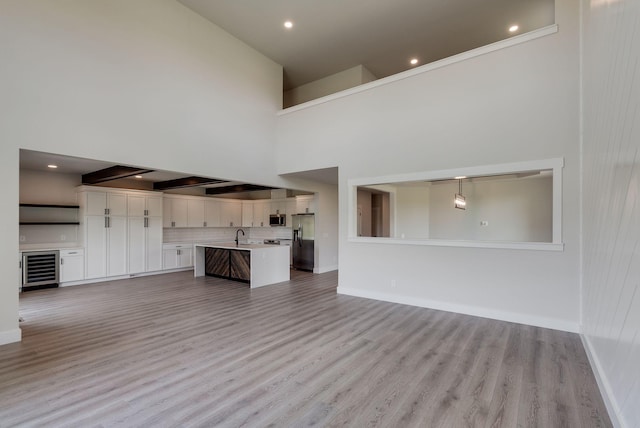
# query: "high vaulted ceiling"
330 36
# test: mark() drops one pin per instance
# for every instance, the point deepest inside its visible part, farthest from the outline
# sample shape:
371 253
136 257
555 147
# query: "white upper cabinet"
195 213
211 213
290 210
248 219
230 213
175 212
105 203
305 204
143 206
278 206
261 212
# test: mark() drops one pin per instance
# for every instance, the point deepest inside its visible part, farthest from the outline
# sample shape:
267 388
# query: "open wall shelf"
49 214
50 206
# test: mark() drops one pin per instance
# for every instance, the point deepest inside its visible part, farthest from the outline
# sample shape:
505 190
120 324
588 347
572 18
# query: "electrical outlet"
23 238
393 283
63 237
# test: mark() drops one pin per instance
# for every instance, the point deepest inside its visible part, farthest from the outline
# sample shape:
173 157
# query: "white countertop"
49 247
233 246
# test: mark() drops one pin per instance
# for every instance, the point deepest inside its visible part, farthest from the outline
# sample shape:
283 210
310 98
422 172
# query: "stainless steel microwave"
277 220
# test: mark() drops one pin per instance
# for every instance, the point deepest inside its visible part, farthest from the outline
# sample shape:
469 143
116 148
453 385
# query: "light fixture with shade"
459 201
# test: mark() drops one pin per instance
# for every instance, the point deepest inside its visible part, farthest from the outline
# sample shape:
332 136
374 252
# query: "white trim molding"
483 50
603 384
540 246
324 269
10 336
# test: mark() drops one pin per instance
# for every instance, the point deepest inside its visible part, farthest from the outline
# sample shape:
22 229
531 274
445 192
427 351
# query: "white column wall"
611 202
516 104
145 82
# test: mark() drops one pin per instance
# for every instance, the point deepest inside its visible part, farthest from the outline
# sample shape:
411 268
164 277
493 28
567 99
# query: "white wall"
412 212
611 201
37 187
515 210
328 85
515 104
144 82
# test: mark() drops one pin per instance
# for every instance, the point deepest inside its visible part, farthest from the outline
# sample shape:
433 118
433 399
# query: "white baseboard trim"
10 336
324 269
119 277
552 323
603 384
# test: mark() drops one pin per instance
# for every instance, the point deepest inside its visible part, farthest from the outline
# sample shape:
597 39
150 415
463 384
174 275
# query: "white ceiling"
334 35
38 161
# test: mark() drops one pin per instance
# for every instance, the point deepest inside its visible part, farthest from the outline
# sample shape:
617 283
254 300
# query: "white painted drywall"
514 210
412 212
326 240
145 82
515 104
611 202
328 85
38 187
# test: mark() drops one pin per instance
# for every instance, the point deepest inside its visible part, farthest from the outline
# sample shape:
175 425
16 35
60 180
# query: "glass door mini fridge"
303 226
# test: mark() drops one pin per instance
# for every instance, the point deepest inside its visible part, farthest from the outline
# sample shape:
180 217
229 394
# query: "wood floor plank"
174 350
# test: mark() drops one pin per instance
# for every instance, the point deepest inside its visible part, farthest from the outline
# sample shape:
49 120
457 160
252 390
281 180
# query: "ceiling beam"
112 173
185 182
238 188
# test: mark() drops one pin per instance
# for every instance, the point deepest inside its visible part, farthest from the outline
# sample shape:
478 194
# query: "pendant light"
459 201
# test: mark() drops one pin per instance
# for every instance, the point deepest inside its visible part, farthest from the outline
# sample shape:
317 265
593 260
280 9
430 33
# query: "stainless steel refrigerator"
304 229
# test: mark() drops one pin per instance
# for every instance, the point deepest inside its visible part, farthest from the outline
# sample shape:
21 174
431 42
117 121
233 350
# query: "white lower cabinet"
71 265
145 244
121 231
105 246
176 256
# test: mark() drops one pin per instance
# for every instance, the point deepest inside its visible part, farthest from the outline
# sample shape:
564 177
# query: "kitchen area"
72 233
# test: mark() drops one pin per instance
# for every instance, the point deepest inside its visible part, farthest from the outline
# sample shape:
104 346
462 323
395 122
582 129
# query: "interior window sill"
538 246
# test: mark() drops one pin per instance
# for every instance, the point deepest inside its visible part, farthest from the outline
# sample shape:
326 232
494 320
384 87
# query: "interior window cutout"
514 205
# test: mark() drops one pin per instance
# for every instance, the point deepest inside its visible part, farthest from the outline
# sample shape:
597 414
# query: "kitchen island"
255 264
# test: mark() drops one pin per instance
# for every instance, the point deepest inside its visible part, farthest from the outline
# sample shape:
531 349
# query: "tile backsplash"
220 234
49 234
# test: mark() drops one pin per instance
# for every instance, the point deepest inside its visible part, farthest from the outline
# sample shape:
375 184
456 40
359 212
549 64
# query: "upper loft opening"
329 47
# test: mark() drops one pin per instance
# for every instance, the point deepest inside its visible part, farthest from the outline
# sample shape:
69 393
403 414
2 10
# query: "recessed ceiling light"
513 28
52 166
288 24
413 61
138 176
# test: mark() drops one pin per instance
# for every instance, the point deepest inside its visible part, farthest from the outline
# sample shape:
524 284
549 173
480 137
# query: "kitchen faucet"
237 240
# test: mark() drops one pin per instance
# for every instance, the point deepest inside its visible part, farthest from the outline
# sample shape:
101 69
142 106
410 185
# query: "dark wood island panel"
229 264
240 265
216 262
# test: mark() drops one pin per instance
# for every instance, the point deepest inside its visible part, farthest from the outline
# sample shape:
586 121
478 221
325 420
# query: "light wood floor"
173 350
